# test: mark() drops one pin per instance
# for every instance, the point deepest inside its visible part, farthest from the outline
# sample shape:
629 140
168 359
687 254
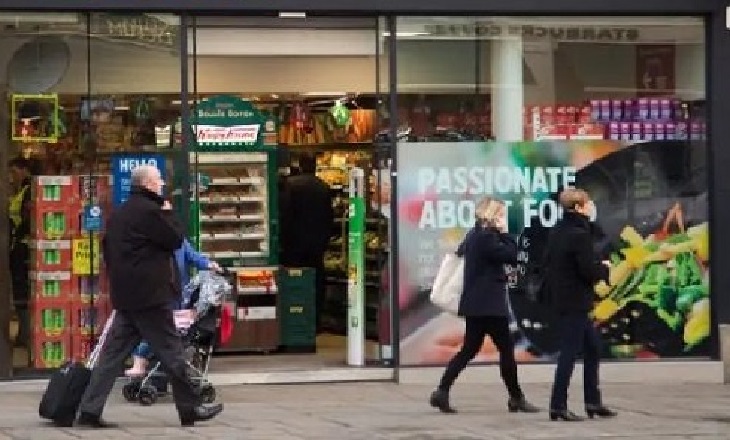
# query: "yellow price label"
82 255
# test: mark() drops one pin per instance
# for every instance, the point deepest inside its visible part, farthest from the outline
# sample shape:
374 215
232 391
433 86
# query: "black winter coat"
573 268
306 219
485 252
138 247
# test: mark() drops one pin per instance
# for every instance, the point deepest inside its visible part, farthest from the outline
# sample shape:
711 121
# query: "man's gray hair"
142 173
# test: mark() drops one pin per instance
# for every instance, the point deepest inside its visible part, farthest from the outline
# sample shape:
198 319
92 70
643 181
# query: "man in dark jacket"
307 218
140 240
573 269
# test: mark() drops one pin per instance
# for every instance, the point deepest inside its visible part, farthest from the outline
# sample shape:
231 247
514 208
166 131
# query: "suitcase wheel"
207 393
147 396
130 391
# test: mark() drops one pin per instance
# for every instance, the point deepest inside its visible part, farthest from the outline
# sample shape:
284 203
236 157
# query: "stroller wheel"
130 391
147 396
207 393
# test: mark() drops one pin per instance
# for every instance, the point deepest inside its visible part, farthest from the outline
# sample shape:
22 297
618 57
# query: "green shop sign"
229 121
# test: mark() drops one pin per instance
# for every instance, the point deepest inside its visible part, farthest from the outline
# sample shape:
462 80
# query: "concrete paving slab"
386 411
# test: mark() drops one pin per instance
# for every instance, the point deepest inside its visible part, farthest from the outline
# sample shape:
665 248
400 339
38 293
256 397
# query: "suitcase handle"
94 356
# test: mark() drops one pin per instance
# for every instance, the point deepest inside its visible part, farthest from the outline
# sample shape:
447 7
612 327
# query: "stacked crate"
63 316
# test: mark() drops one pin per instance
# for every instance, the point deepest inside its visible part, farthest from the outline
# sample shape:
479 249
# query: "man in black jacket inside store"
307 217
141 237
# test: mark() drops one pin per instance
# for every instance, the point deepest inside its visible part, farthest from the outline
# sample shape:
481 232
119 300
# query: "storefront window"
521 107
85 92
312 88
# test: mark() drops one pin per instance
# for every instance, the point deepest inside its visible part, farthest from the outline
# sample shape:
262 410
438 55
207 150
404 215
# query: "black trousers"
477 327
157 327
19 266
577 334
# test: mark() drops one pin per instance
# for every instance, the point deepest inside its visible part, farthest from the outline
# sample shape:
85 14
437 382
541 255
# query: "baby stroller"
199 326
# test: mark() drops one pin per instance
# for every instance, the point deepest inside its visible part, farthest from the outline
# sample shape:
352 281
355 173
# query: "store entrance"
276 211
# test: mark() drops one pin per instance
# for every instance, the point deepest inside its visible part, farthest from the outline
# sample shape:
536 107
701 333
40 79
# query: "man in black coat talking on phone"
138 248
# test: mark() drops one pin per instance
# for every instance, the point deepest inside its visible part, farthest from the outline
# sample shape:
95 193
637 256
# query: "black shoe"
201 414
600 411
564 415
87 420
520 404
440 399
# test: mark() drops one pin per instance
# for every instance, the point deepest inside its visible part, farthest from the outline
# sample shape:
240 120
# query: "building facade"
441 103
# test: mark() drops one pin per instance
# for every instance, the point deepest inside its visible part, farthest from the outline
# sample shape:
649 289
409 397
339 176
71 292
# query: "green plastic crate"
297 307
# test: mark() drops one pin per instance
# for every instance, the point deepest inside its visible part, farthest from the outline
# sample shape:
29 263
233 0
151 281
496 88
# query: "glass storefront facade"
438 110
520 107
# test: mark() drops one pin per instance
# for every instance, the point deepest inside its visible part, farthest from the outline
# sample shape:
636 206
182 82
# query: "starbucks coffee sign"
558 33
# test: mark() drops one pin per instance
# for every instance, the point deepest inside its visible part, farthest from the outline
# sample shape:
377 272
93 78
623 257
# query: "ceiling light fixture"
292 15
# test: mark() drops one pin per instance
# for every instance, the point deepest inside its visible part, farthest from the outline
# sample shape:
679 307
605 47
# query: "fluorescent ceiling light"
32 17
292 15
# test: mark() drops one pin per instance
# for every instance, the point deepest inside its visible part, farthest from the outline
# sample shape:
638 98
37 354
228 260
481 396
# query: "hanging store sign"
229 121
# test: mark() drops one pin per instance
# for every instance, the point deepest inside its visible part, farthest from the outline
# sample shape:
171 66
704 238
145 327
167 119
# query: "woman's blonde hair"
488 210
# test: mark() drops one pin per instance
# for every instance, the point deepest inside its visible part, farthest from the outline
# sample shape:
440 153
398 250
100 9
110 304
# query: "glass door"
319 80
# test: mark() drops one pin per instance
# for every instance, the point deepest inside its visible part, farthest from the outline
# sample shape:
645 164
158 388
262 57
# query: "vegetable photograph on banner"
651 224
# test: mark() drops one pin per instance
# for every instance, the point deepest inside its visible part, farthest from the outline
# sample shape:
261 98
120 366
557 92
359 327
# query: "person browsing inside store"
141 238
573 269
307 218
185 257
19 211
486 249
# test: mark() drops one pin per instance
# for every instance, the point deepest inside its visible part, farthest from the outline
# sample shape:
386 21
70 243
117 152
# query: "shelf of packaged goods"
230 199
256 290
368 220
346 281
234 236
226 181
231 254
225 159
230 218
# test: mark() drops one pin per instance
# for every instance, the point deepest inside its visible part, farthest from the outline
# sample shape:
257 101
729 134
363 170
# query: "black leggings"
477 327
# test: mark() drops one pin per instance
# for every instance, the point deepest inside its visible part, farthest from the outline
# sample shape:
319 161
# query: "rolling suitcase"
62 397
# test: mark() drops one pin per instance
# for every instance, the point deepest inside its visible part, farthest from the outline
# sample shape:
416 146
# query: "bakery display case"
235 213
234 209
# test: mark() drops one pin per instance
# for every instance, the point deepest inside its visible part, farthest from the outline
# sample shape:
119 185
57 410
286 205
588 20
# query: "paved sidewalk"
373 411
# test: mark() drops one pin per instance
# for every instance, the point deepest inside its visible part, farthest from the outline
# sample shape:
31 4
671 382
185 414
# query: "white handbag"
449 283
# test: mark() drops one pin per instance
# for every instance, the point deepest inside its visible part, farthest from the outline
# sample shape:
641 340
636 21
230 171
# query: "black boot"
87 420
599 410
200 414
564 415
520 404
440 399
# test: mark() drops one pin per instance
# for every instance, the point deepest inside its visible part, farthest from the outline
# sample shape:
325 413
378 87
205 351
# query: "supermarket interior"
90 94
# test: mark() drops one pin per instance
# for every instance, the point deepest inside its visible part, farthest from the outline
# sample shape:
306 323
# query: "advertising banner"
356 280
651 224
122 166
